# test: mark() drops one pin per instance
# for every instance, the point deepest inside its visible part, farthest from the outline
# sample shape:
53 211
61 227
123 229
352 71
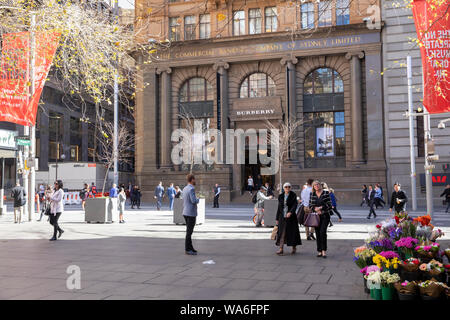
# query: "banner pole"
411 135
32 190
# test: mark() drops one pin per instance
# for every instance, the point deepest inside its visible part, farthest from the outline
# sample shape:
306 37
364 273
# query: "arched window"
323 80
257 85
324 120
196 89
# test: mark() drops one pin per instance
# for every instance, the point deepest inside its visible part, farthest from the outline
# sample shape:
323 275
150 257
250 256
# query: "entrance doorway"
254 170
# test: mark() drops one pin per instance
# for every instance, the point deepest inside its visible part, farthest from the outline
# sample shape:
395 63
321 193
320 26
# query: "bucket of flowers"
410 269
387 261
433 270
435 234
407 290
380 244
406 246
387 284
366 271
431 290
427 253
374 284
363 256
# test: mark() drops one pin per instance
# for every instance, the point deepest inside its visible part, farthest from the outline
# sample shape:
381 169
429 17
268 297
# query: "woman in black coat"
320 202
288 232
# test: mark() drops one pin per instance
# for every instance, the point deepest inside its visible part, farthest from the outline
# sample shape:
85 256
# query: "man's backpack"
255 198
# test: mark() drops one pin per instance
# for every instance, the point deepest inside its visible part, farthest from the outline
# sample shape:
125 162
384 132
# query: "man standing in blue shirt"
190 202
159 194
171 195
113 192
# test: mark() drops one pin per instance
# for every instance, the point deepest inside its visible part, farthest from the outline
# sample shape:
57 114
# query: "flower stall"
402 260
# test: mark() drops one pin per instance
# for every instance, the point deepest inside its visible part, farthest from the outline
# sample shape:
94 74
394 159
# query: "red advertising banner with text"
16 105
432 20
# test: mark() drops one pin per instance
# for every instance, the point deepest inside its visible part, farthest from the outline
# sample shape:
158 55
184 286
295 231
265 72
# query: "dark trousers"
448 206
321 233
216 201
54 222
337 212
372 210
190 224
379 202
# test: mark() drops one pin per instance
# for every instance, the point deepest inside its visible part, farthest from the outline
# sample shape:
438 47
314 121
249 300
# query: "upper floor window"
205 26
238 23
307 11
196 89
323 80
270 15
257 85
254 21
342 12
325 13
189 28
174 29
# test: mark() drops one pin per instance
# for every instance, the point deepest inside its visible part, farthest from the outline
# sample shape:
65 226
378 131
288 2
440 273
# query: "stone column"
291 94
166 118
374 98
356 107
221 68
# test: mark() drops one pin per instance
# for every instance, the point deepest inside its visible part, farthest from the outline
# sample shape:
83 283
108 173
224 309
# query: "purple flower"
407 242
389 254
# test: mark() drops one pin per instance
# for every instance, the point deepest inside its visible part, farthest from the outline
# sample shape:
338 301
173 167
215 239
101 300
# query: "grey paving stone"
265 275
320 288
316 278
241 284
153 291
294 287
213 282
241 274
189 280
290 276
140 277
240 295
164 279
295 296
327 297
267 285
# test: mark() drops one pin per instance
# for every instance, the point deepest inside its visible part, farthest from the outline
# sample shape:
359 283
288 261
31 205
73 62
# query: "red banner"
432 19
16 105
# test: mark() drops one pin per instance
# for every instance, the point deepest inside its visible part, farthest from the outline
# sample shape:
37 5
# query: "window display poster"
324 142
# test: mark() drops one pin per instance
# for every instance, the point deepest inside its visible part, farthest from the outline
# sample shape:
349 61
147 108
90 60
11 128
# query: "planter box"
100 210
178 211
270 212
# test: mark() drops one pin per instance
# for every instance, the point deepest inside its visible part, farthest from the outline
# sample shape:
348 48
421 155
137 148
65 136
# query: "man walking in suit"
216 195
171 195
159 194
190 202
371 201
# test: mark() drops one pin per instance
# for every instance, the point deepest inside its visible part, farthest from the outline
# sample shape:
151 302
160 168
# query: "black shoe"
324 256
60 233
191 253
312 236
368 217
308 238
319 255
193 250
374 216
53 239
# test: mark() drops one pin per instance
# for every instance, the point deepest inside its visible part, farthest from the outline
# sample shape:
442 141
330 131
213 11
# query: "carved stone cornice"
359 54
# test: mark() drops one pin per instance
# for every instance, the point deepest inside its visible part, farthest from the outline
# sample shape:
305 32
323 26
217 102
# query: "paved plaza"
144 258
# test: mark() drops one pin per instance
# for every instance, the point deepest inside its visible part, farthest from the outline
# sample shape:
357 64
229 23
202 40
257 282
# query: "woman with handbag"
45 210
320 203
288 232
56 208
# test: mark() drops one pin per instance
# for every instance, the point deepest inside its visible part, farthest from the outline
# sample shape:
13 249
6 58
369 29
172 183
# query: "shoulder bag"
312 220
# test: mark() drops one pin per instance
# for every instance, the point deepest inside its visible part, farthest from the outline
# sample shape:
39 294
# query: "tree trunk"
106 176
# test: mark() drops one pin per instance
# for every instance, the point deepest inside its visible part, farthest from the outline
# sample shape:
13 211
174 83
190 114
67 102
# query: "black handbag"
47 211
301 214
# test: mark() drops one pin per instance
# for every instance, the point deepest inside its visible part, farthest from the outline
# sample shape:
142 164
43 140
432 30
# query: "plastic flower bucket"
376 294
386 292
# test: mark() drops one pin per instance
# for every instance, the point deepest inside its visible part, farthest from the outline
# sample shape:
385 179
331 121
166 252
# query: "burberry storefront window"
257 85
324 121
